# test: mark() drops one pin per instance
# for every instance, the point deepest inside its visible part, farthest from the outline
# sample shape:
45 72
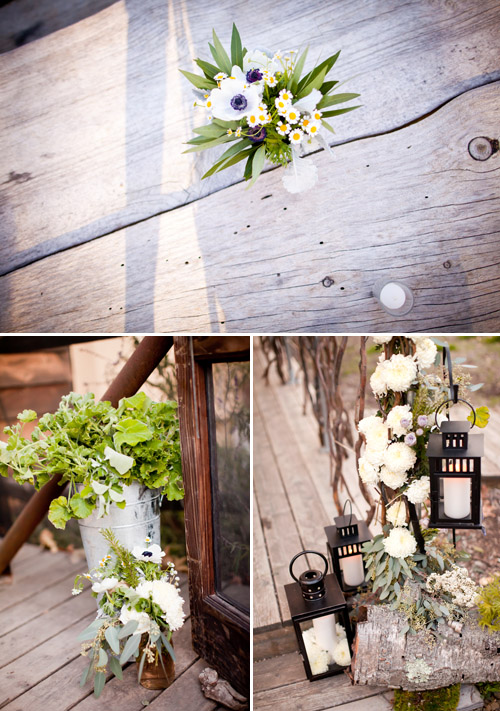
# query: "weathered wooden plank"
410 204
322 694
280 640
33 632
185 693
265 606
280 531
105 128
278 671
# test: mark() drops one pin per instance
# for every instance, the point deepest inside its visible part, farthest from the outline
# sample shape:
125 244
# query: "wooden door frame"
220 631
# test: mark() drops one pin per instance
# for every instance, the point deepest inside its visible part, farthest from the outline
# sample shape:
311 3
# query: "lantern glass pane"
455 495
321 637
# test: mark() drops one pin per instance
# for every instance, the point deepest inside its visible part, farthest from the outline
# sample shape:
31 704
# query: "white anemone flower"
105 584
153 554
309 102
234 100
260 59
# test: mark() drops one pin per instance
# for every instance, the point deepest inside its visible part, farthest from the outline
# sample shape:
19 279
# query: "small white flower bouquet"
259 103
139 608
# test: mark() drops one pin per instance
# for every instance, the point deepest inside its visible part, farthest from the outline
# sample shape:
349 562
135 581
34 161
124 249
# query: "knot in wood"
482 148
327 281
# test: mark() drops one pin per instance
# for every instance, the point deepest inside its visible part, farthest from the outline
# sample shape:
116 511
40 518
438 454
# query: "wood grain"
266 612
411 204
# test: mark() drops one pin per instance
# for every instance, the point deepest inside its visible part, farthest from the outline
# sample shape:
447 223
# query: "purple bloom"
239 102
410 438
420 432
254 75
256 134
405 422
422 420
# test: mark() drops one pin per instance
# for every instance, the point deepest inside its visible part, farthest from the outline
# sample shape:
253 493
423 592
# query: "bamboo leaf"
197 81
326 125
314 83
130 648
236 48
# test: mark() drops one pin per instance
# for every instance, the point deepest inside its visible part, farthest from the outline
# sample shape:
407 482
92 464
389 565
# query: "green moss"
432 700
488 688
489 605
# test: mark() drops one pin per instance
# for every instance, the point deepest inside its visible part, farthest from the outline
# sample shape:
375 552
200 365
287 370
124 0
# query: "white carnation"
400 371
392 479
374 456
378 436
381 340
367 424
426 352
126 615
396 514
341 654
399 457
400 543
167 596
367 472
398 413
419 490
378 381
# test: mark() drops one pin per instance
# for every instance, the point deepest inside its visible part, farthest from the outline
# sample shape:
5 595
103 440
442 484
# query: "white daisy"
296 135
292 115
283 128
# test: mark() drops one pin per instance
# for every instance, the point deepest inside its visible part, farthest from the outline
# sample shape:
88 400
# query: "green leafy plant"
445 699
488 689
489 605
99 447
140 607
263 105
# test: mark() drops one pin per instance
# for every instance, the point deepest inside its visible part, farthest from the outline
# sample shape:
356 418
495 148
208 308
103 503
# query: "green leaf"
212 130
248 167
129 628
380 568
297 71
404 629
236 48
240 154
210 144
337 112
258 163
326 66
210 70
131 432
141 666
168 646
111 635
220 55
130 648
103 658
482 417
313 83
335 99
99 681
326 125
475 387
59 512
81 507
85 675
91 631
199 82
27 416
114 666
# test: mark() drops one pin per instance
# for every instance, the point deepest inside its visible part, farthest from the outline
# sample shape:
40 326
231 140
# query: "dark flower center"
239 102
254 75
148 554
256 134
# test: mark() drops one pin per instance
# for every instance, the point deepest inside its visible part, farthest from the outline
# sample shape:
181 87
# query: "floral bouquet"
139 608
264 107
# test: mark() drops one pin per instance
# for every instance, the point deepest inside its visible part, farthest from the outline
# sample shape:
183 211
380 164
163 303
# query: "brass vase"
154 676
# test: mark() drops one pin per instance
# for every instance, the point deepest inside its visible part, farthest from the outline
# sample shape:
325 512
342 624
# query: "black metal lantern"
455 472
316 604
344 541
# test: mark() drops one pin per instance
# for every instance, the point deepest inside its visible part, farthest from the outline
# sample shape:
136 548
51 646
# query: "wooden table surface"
107 227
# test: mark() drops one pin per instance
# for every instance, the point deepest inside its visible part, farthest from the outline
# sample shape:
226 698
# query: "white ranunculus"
341 653
419 490
426 352
153 554
398 413
105 584
399 457
396 514
367 472
400 543
400 371
126 615
392 479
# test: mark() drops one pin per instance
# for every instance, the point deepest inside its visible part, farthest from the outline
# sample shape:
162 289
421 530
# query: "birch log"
384 657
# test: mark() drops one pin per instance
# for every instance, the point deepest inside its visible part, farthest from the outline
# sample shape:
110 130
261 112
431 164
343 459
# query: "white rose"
400 543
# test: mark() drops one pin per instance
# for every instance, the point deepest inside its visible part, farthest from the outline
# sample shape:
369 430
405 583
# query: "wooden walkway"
107 227
40 663
292 504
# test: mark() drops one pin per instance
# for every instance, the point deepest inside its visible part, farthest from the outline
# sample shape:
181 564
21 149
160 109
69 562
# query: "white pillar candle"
456 497
392 296
352 568
326 634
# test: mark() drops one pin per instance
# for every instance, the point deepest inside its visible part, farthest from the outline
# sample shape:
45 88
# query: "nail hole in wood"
482 148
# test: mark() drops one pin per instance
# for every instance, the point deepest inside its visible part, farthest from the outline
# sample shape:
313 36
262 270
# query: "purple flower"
419 432
410 438
239 102
254 75
256 134
422 420
405 422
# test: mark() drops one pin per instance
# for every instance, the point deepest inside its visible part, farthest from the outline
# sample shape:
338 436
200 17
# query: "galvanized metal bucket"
139 519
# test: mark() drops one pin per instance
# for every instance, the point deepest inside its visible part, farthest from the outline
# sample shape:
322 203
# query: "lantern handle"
348 501
452 388
452 400
304 553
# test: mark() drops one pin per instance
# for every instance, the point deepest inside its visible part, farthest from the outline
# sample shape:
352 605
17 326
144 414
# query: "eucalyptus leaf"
91 631
99 681
129 628
103 658
85 674
111 635
130 648
168 646
115 667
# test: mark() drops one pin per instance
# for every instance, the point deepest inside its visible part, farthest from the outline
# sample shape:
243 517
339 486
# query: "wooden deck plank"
278 672
185 693
322 694
265 608
411 203
280 532
105 128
